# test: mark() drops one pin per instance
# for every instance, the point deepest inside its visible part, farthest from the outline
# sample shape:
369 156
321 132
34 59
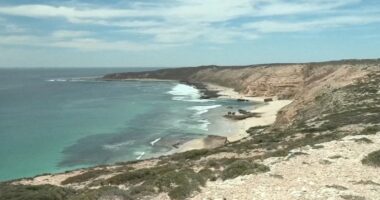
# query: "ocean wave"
204 124
140 155
155 141
57 80
182 92
203 109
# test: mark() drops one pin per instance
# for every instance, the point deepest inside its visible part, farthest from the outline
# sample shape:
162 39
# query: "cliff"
300 82
325 144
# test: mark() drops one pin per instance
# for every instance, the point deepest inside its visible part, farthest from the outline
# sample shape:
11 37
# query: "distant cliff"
281 80
301 82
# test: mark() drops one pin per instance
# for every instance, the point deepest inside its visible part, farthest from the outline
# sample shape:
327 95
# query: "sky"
174 33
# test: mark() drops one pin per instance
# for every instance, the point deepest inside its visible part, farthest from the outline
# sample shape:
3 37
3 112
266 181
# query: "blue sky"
166 33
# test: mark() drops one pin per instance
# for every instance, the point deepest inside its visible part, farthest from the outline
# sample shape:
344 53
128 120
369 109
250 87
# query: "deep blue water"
51 120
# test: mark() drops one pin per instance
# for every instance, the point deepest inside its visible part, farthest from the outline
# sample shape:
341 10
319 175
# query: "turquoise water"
52 120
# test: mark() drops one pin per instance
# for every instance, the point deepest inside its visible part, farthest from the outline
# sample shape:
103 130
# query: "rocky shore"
317 139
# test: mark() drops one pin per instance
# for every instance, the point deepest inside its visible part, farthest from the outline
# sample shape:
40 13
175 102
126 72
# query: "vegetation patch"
335 157
256 130
243 167
368 182
178 182
220 163
190 155
86 176
276 176
352 197
295 154
105 192
370 130
140 175
363 140
372 159
337 187
25 192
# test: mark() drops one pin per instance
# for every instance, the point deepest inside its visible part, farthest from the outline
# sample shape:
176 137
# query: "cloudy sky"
78 33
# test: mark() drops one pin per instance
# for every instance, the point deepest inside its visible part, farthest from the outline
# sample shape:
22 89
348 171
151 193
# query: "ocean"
54 120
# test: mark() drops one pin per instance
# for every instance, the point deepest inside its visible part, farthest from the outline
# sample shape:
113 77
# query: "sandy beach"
268 113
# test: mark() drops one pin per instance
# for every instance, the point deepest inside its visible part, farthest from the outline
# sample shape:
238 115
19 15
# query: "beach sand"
268 113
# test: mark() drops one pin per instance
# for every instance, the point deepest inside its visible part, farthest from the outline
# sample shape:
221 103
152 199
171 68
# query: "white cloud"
331 22
67 12
80 43
92 44
184 22
187 10
279 7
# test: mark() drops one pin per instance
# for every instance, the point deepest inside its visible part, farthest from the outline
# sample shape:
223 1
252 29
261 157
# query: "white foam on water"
203 109
57 80
141 154
182 92
204 125
155 141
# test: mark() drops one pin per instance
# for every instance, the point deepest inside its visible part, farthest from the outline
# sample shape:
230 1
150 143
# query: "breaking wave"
182 92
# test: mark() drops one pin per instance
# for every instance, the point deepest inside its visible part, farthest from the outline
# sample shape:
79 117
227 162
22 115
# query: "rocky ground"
324 145
332 171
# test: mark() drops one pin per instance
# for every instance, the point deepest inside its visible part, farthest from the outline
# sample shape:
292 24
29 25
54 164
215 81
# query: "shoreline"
268 113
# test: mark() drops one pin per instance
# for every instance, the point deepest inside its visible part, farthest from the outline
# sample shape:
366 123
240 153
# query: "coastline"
268 113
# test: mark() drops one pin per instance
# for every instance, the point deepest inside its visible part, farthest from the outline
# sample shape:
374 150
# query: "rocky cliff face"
282 81
300 82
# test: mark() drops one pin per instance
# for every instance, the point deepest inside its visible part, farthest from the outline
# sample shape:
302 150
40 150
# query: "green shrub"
352 197
190 155
86 176
40 192
363 140
218 163
102 193
370 130
242 167
179 184
372 159
206 173
256 129
140 175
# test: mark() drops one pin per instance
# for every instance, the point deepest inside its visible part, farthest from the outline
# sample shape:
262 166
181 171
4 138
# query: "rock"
213 141
243 114
268 99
